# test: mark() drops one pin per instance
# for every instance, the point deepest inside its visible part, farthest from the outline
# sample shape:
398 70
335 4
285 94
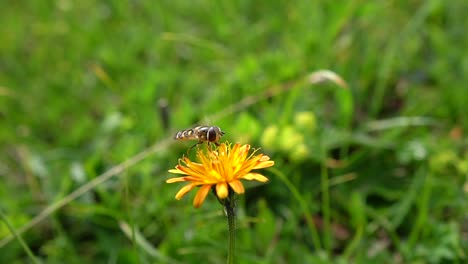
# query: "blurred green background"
372 172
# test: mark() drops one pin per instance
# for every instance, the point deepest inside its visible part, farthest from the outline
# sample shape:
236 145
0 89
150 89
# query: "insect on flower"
222 170
208 134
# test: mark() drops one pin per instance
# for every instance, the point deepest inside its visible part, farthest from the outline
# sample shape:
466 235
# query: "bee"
208 134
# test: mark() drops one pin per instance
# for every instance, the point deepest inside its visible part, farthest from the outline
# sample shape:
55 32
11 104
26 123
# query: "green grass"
375 173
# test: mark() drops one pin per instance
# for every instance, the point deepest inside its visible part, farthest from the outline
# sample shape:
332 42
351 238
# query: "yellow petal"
237 186
222 150
176 171
201 195
185 170
264 164
255 176
222 190
205 160
178 179
239 154
183 191
244 149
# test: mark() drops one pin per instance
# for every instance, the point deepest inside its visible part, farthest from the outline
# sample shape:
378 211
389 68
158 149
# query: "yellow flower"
223 168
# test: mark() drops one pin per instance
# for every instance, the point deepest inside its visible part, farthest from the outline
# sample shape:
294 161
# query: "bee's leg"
190 149
209 146
216 144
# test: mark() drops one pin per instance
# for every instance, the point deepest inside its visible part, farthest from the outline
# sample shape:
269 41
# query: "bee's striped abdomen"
187 134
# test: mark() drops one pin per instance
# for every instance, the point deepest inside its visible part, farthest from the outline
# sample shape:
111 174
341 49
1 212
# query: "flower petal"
264 164
176 171
178 179
239 153
182 192
190 171
255 176
201 195
237 186
222 190
185 178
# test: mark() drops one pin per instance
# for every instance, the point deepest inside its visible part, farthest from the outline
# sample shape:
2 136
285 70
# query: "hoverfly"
208 134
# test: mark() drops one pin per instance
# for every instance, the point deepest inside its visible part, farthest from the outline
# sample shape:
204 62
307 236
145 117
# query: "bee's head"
214 134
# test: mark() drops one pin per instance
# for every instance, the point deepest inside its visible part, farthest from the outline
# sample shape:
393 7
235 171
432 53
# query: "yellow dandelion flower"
222 168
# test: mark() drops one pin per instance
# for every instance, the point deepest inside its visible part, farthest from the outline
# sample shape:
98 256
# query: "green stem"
304 205
230 209
324 180
18 237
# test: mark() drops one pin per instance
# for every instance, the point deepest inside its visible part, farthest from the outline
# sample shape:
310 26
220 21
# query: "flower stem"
325 185
325 190
230 209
